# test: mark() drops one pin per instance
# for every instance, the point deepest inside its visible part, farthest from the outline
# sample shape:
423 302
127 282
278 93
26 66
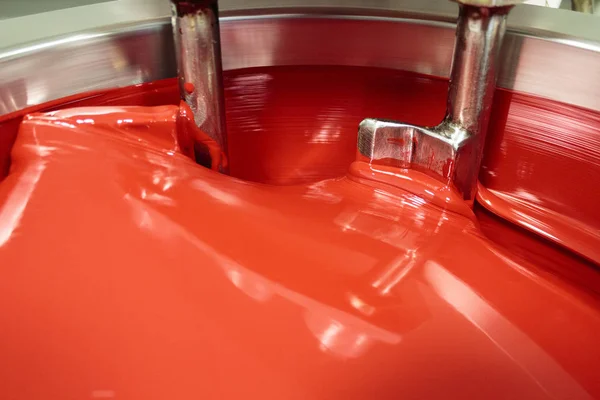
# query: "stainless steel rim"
561 63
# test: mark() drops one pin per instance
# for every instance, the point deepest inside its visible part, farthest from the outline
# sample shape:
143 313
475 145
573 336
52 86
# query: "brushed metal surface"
85 62
526 19
556 57
16 8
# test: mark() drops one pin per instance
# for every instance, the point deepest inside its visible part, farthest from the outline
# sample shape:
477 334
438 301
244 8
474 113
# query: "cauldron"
130 271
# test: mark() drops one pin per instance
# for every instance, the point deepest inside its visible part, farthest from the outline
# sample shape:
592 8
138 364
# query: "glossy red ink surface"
128 271
298 124
534 249
543 160
149 94
579 236
541 153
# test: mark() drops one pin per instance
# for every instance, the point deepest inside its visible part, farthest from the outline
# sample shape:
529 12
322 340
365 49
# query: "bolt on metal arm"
198 50
452 150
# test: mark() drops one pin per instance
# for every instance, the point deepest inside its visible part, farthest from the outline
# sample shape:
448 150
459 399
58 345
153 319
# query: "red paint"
154 277
447 168
547 159
397 141
550 259
568 232
149 94
320 108
189 87
429 189
202 143
129 271
299 124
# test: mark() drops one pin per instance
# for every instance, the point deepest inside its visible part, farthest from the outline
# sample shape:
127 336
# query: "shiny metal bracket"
451 151
198 49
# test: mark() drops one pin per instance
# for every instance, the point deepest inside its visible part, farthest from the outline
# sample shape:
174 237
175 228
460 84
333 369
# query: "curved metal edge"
490 3
17 32
135 52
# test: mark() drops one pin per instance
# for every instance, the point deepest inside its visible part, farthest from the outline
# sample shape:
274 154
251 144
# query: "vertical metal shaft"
473 76
585 6
198 48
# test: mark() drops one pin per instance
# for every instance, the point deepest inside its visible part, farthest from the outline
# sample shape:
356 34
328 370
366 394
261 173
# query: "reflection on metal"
43 72
585 6
489 3
452 150
198 50
354 33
